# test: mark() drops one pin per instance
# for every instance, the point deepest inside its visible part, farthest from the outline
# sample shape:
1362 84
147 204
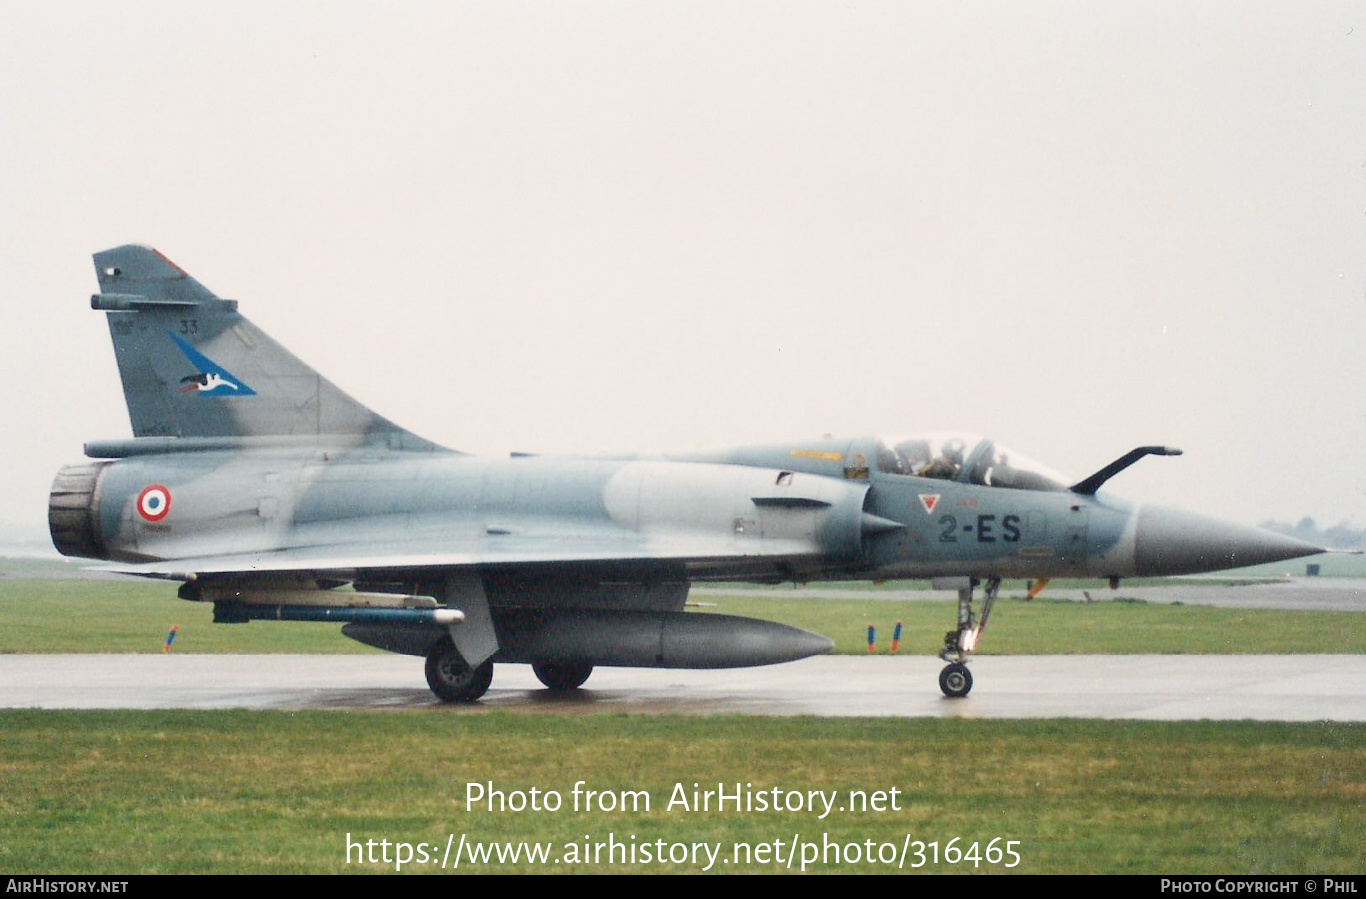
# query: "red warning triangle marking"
929 501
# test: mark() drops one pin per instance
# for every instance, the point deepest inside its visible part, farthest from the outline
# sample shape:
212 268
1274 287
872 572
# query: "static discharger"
170 638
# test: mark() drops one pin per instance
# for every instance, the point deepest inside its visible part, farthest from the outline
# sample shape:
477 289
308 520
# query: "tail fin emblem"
210 379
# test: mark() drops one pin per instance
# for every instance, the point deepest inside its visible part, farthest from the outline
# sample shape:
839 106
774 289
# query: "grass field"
239 791
134 616
1336 565
1048 627
273 792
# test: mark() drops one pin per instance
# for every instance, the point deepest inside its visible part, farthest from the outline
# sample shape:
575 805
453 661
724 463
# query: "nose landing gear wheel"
450 676
955 680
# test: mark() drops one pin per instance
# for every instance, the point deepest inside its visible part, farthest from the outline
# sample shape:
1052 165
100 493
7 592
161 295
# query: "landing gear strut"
956 680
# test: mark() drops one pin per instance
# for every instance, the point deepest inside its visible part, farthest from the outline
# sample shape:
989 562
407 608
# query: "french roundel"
154 503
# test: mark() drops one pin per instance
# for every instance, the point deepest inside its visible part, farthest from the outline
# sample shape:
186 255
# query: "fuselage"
799 511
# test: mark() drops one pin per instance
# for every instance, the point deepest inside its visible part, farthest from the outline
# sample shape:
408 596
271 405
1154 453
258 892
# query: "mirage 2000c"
270 493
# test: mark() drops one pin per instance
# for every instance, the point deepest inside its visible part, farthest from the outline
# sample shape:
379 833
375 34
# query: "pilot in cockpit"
911 456
947 464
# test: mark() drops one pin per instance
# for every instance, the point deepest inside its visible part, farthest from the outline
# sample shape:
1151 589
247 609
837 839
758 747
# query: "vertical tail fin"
193 367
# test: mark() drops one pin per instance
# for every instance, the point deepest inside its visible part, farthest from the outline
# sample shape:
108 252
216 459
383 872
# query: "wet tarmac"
1268 688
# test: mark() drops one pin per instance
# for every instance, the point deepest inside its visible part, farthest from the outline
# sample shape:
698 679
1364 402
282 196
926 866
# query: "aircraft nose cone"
1173 541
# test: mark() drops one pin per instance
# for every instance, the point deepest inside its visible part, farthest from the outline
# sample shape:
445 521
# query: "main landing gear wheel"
562 676
450 676
955 680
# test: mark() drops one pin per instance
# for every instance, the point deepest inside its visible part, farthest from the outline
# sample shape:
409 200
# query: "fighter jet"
265 490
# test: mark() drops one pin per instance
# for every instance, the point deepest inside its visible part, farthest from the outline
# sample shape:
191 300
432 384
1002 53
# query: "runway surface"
1269 688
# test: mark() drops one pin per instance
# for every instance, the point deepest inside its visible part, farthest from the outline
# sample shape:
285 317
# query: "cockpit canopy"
966 458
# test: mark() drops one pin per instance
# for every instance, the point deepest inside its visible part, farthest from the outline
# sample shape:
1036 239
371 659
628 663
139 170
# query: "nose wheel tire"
955 680
450 676
562 676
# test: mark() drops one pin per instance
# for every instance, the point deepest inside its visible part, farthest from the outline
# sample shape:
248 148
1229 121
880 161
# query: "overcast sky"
572 226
